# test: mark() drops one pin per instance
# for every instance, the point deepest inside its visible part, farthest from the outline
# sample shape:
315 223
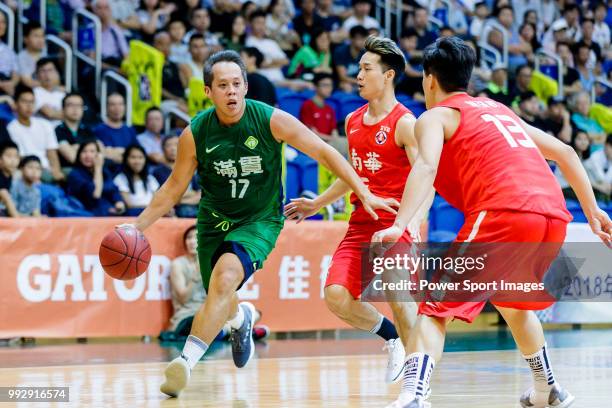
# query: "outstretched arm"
286 128
575 174
173 189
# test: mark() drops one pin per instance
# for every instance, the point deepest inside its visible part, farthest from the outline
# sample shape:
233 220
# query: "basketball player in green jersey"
236 148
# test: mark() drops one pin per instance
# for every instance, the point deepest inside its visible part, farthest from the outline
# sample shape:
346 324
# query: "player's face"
371 79
228 89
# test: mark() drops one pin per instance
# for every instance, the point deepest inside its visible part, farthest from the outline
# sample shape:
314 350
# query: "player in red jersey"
490 164
381 148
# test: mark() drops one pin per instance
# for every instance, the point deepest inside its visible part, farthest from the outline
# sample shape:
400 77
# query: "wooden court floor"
489 379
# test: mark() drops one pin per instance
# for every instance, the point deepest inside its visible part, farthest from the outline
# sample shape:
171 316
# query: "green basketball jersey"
240 166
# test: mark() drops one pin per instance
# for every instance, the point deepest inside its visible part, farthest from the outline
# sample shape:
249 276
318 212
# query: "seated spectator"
321 117
188 206
307 22
72 131
200 21
114 133
457 19
497 88
411 82
9 69
555 34
522 82
481 13
517 48
173 83
571 77
9 162
199 53
425 35
34 45
278 27
235 34
24 191
135 182
222 14
34 136
601 31
582 146
260 88
599 167
114 45
361 16
49 94
92 184
274 57
582 53
580 104
595 54
346 58
331 23
124 13
530 16
151 138
188 294
557 121
529 40
312 59
529 110
153 17
179 51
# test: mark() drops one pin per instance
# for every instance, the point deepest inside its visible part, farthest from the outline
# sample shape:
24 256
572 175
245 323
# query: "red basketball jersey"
377 159
491 163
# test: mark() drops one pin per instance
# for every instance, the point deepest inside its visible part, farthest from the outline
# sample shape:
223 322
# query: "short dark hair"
44 61
153 109
165 140
391 57
502 8
8 144
31 26
609 139
522 67
355 2
28 159
524 96
254 52
358 31
187 231
70 95
451 60
196 36
408 32
556 100
320 76
257 13
22 89
570 7
223 56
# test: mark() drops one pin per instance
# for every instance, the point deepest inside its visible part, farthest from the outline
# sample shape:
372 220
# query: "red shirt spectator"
320 117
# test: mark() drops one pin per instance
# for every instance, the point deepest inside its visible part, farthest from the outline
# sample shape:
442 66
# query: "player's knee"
225 280
337 298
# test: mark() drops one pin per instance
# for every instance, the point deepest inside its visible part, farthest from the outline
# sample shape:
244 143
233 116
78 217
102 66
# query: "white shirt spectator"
179 53
150 143
209 39
599 167
601 35
368 22
35 139
26 63
270 50
53 99
8 60
140 198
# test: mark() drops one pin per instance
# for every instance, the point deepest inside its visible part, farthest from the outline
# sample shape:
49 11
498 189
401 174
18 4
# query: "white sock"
236 321
543 377
417 374
193 350
379 323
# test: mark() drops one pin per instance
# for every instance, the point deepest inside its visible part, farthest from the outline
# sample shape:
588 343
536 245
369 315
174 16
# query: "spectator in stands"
580 104
135 182
571 78
153 17
222 14
34 45
361 16
599 166
188 206
522 82
49 94
528 37
179 51
34 136
199 53
9 162
124 13
588 25
557 33
114 133
446 31
347 56
549 12
425 35
410 82
313 58
260 87
582 146
151 138
497 88
582 60
531 17
570 17
280 28
200 21
517 48
24 191
114 45
601 31
308 21
320 117
274 57
235 34
247 9
92 184
72 131
557 120
331 21
9 69
481 13
529 110
173 82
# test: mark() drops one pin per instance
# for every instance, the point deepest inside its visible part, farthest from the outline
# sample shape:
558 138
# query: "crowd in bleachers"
59 157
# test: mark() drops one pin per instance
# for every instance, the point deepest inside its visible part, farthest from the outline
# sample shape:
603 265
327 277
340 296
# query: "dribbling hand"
300 208
371 203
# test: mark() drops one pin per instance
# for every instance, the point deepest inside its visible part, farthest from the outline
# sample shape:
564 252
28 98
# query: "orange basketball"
125 253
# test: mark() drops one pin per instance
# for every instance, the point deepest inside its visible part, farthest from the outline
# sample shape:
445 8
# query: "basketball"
125 253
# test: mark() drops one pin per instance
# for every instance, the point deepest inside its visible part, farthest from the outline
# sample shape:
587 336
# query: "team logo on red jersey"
381 137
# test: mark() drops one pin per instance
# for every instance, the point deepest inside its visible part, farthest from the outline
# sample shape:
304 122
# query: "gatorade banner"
144 71
54 286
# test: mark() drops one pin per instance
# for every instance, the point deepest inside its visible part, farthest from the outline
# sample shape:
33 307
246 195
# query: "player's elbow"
563 154
426 170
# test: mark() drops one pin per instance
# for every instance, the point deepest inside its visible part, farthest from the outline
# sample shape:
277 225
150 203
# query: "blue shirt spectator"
114 133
